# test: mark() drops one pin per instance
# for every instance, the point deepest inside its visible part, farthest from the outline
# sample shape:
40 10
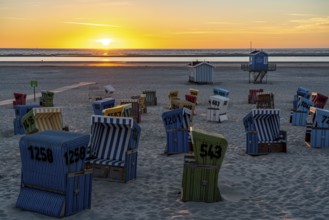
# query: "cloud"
318 24
301 15
90 24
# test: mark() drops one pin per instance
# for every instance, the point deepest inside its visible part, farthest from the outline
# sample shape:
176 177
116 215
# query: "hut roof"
198 63
257 51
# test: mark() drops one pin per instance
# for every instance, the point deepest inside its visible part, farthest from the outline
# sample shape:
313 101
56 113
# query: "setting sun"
105 41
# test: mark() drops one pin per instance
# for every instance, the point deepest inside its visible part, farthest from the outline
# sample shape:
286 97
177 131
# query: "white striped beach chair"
113 147
218 108
317 128
263 132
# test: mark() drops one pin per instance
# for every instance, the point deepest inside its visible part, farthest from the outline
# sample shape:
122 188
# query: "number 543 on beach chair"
263 132
113 147
201 169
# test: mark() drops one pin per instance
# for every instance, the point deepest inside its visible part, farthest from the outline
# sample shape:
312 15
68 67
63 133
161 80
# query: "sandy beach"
292 185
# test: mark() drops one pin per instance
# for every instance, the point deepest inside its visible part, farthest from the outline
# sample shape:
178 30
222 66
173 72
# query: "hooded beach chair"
177 125
191 98
124 110
252 96
172 95
263 134
218 108
142 102
20 111
265 100
177 103
109 90
151 98
20 99
100 105
113 147
42 119
54 178
319 100
194 92
303 92
201 169
47 98
220 91
298 116
317 128
136 110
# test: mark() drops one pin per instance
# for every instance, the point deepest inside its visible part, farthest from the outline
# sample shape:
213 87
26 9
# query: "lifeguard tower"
258 66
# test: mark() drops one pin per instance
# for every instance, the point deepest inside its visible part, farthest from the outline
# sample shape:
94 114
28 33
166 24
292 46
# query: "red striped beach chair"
20 99
252 96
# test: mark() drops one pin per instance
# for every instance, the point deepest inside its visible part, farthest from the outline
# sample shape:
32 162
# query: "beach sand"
292 185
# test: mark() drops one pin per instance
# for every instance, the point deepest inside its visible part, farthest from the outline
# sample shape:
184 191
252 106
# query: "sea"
159 55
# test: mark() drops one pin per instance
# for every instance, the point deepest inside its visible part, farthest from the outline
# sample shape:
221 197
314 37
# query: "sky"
164 24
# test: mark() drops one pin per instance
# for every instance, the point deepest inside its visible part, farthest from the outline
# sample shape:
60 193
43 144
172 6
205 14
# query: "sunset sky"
164 23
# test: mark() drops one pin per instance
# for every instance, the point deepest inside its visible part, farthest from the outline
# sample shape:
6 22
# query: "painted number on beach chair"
325 119
211 151
73 156
216 103
305 105
172 120
41 154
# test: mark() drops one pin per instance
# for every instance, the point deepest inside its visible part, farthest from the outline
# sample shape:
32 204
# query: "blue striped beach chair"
54 180
303 92
317 128
217 110
113 147
177 125
100 105
298 116
263 134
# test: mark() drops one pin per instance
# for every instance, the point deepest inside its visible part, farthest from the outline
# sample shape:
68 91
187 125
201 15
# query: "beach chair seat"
317 128
41 119
136 110
252 96
47 98
265 100
298 116
151 98
177 125
100 105
263 134
113 148
20 99
54 180
319 100
124 110
220 91
217 110
201 169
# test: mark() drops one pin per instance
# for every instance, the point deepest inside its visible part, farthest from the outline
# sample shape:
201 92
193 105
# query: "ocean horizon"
159 55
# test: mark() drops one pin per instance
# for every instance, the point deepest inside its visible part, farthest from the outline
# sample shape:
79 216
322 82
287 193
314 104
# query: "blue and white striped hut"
317 128
177 125
113 147
54 180
201 72
263 132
